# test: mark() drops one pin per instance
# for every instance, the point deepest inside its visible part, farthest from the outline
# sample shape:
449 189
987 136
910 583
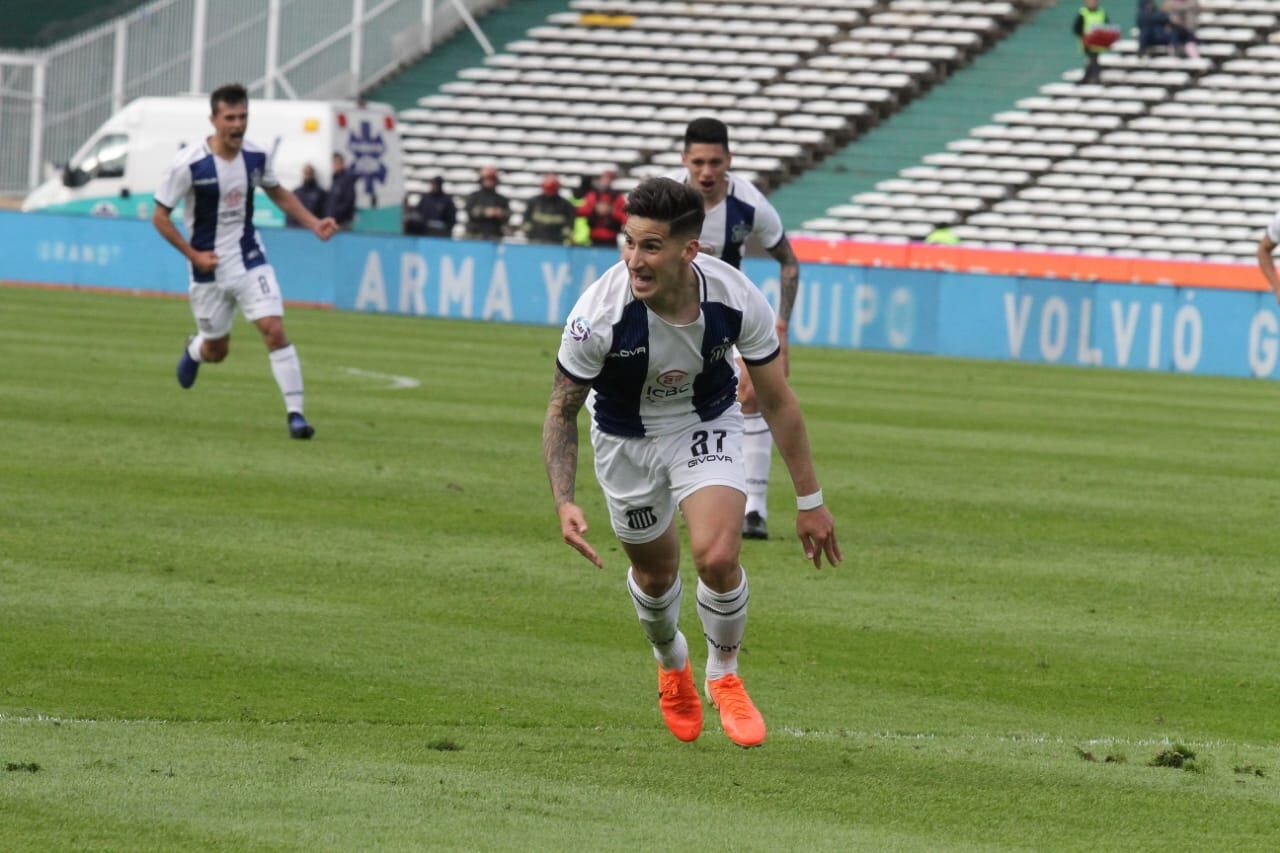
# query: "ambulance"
116 172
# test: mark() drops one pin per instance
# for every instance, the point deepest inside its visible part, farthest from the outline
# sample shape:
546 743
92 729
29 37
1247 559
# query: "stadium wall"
1184 329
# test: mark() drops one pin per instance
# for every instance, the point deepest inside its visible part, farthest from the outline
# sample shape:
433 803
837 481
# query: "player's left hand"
817 531
573 524
325 228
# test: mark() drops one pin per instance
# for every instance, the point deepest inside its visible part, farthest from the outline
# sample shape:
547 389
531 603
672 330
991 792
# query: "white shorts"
645 479
214 303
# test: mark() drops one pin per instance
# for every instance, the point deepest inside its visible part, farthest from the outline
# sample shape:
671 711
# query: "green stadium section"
32 25
1035 53
462 50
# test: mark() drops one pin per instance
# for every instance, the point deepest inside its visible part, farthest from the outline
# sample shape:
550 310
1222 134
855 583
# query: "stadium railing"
51 100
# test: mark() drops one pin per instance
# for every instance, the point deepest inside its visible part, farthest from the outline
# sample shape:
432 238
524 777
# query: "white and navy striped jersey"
649 377
743 211
217 196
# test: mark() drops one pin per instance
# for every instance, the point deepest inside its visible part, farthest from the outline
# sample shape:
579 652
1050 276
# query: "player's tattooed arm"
560 435
790 279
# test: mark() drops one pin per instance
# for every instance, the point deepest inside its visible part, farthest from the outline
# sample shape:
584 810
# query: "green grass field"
213 636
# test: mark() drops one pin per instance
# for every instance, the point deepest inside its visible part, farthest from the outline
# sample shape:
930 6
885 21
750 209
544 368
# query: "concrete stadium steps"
426 76
1040 49
794 79
1165 159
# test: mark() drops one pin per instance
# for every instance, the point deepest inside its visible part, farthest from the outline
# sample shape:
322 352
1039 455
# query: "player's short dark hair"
706 131
664 200
231 93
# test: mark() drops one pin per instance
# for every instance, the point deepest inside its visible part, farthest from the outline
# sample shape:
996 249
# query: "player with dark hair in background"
215 182
735 210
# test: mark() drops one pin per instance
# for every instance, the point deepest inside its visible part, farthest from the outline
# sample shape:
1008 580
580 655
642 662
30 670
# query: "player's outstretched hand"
205 261
572 525
326 228
817 531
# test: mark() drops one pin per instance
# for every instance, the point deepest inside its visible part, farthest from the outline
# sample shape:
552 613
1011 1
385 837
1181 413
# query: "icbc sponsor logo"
670 383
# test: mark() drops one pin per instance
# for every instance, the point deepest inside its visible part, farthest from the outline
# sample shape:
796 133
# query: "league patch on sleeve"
579 329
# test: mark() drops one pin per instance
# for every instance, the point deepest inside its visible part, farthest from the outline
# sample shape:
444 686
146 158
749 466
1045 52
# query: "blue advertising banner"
1145 327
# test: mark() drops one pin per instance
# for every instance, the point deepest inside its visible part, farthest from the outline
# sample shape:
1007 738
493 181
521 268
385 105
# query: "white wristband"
812 501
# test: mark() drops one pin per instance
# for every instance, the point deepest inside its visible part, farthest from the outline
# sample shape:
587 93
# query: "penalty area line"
395 383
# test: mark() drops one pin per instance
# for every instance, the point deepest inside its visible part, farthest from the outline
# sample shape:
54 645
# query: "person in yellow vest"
1091 17
581 228
942 235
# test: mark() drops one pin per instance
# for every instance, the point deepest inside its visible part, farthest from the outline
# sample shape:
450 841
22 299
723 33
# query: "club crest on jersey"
741 232
255 177
579 329
721 350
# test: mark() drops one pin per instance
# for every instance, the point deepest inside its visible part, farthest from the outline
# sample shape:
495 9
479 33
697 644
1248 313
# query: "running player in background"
735 210
215 181
648 347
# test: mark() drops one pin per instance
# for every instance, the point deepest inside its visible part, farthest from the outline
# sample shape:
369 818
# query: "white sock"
193 348
724 620
757 447
288 373
659 618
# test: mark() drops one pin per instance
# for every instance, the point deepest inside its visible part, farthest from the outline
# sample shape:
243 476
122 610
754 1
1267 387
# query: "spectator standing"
342 194
549 218
487 209
1184 18
606 211
311 194
581 229
1090 17
435 212
1153 27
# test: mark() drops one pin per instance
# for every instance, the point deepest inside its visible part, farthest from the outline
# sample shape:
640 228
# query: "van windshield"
107 157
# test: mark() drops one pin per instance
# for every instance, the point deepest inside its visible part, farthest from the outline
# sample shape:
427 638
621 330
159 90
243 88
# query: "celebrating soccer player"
215 180
736 210
648 347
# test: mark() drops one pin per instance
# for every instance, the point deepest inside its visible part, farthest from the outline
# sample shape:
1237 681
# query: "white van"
118 170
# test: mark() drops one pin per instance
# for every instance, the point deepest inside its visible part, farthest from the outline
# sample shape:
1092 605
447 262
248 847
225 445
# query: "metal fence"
52 100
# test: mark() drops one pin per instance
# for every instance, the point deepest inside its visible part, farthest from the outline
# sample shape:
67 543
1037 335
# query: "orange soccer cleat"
679 701
742 722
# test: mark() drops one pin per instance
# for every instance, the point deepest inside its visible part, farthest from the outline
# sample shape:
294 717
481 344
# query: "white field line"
1032 738
397 382
788 731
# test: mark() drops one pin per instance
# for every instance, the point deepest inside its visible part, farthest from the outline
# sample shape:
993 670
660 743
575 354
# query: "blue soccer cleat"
188 367
298 426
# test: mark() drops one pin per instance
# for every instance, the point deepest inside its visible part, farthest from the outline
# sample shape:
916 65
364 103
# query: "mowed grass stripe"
1038 559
